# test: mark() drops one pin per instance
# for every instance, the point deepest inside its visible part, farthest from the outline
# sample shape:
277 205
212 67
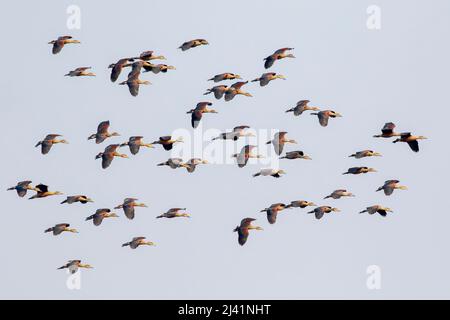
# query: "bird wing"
107 158
129 211
239 84
51 136
282 50
196 117
111 148
242 235
23 183
414 145
133 87
272 216
98 218
269 61
388 128
323 119
246 222
57 46
103 126
46 146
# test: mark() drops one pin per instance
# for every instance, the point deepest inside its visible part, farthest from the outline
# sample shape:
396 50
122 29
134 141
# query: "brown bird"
138 241
174 213
377 208
60 228
22 187
157 68
49 141
337 194
267 77
109 154
42 192
359 170
273 210
295 155
365 153
235 89
277 55
174 163
325 115
135 143
390 185
149 55
77 198
218 91
300 204
128 206
102 132
225 76
167 142
411 140
118 67
193 163
276 173
387 131
301 107
59 43
278 141
197 113
101 214
192 44
320 211
243 230
239 131
133 84
74 265
80 72
245 154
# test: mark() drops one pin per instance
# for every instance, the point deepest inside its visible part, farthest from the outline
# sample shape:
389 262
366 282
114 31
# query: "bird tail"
363 211
63 267
12 188
268 142
352 155
236 229
327 197
288 206
346 172
125 244
311 211
48 230
283 157
38 144
290 110
158 217
379 189
65 201
161 164
396 140
207 92
257 174
89 218
255 80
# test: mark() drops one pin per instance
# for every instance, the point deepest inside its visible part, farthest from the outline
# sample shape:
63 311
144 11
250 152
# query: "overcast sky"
398 73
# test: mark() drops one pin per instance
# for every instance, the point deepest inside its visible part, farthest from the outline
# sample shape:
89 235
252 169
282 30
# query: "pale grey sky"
399 73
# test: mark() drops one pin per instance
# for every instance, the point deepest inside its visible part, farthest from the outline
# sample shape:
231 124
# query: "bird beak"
403 187
281 77
307 158
312 204
336 210
338 115
238 77
377 154
259 228
205 161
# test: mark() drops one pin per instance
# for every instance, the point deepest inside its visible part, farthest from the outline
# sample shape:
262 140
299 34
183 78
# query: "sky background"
399 73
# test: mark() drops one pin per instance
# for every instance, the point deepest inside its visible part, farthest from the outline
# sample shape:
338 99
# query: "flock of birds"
228 92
